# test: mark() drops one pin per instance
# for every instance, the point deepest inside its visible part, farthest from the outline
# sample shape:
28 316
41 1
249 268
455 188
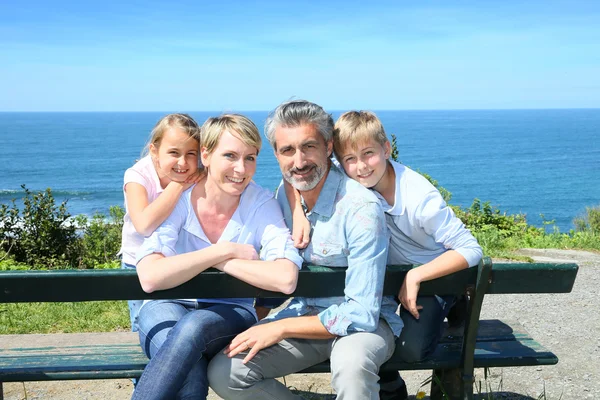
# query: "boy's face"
366 162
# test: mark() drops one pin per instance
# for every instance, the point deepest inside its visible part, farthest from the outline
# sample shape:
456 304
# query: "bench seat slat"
499 344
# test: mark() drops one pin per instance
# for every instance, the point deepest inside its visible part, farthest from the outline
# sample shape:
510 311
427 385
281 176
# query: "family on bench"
359 210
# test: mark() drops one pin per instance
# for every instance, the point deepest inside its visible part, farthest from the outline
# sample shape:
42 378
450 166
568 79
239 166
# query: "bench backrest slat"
314 281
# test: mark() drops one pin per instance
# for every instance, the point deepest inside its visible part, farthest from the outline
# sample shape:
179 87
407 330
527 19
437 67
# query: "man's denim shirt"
348 230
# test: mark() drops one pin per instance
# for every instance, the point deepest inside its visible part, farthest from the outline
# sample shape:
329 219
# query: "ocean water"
530 161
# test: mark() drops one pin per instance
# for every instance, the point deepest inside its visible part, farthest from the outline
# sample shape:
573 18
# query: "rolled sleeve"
162 240
276 241
438 220
367 255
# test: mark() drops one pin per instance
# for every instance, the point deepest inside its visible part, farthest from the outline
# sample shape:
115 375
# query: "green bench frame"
490 343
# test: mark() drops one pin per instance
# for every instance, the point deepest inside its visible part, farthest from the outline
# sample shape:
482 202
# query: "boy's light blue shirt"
257 221
421 225
348 230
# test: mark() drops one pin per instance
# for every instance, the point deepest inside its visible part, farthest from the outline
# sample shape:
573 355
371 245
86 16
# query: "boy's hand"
301 230
409 291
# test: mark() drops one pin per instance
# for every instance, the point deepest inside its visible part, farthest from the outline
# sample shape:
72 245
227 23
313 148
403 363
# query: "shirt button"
324 251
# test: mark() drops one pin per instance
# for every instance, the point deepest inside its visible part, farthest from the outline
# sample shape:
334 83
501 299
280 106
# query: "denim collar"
325 205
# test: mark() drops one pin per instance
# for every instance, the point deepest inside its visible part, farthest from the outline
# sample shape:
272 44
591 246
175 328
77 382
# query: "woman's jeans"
180 337
134 305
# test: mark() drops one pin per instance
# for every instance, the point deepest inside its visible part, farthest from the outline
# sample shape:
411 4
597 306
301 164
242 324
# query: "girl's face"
367 162
231 165
176 157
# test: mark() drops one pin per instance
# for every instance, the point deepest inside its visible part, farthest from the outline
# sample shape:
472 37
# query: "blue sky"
221 56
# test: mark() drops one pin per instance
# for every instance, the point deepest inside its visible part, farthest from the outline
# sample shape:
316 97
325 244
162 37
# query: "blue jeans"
180 337
134 305
419 337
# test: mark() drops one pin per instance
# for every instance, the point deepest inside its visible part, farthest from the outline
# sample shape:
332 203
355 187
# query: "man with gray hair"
356 332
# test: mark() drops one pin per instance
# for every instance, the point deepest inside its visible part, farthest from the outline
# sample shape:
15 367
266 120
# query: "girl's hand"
409 291
300 230
193 179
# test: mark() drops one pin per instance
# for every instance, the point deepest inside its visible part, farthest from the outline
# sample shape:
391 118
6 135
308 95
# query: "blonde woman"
223 222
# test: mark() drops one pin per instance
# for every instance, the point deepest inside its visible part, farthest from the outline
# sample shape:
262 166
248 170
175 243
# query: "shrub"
589 222
101 239
484 217
42 235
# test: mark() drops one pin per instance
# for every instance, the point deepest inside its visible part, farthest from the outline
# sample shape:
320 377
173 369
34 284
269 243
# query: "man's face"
303 155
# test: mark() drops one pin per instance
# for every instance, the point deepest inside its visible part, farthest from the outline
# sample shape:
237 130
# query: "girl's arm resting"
280 275
157 272
146 217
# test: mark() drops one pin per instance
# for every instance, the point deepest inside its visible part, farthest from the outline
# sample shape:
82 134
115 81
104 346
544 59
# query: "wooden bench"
490 343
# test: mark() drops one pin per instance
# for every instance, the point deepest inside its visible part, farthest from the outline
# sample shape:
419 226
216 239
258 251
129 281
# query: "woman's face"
231 165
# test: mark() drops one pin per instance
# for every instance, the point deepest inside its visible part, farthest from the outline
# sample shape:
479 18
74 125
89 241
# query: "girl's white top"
144 173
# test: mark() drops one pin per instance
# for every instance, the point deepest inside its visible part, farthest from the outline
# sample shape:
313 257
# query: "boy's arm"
445 264
438 220
300 225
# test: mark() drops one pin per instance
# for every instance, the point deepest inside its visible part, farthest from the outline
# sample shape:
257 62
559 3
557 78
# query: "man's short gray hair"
294 113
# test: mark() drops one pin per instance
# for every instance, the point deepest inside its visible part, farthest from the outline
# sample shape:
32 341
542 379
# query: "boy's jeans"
180 337
419 337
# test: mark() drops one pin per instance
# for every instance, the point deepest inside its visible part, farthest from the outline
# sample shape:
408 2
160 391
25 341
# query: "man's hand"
255 339
409 291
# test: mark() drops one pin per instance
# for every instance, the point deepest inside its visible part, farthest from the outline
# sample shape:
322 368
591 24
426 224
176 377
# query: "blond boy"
424 232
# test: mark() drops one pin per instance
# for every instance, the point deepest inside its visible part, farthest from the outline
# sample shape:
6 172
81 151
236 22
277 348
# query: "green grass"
105 316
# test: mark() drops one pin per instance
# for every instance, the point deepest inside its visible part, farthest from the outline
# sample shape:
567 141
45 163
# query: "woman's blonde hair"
236 124
180 121
356 127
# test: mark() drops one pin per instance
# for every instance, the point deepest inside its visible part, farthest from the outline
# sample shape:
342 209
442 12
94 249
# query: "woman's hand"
242 251
409 292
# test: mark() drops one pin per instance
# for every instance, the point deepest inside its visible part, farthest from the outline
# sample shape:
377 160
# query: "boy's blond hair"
356 127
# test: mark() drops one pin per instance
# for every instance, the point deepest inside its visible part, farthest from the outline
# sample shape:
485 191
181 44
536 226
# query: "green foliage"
44 236
589 222
482 217
41 234
101 238
395 156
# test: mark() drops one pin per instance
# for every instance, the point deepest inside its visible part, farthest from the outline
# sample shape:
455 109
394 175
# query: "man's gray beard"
306 185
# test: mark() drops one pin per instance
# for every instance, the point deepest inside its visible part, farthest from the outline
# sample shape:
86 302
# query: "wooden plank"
92 285
95 285
493 330
533 278
500 344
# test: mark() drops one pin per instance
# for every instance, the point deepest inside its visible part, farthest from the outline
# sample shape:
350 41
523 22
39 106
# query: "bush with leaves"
101 239
589 222
42 234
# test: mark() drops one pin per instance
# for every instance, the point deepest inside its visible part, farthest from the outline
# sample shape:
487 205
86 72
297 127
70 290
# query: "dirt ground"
568 324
